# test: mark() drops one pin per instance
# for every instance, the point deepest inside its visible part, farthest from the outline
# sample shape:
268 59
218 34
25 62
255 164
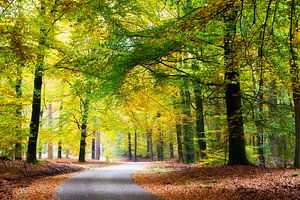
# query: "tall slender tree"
237 151
37 89
293 30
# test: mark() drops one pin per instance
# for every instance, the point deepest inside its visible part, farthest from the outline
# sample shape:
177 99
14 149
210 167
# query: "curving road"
109 183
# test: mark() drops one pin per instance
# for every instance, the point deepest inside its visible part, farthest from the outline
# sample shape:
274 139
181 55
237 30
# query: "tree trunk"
200 132
50 150
188 136
259 125
129 147
237 151
40 152
18 145
93 148
60 127
179 141
160 150
276 141
151 145
135 146
50 144
59 149
98 153
85 105
178 130
171 150
148 143
36 100
40 141
216 123
260 95
295 78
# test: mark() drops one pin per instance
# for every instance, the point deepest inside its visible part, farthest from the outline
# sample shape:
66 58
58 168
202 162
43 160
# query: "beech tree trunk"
237 151
50 144
179 141
200 132
171 150
129 147
276 141
188 136
135 146
37 89
151 145
59 149
295 77
259 122
176 105
60 125
160 150
98 153
93 148
85 105
18 145
216 123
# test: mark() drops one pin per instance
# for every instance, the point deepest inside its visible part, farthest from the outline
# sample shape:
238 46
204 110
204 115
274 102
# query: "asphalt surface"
109 183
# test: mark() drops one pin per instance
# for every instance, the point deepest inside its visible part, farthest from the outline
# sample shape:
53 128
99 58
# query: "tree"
237 152
188 136
38 78
295 76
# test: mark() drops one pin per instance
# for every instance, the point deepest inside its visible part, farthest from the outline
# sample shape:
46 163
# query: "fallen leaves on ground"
172 181
42 188
20 180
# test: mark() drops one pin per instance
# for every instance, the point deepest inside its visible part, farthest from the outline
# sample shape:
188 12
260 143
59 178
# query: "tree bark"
50 144
171 150
160 150
237 151
259 125
59 149
18 145
135 146
98 153
85 105
276 141
129 147
178 119
293 40
60 125
151 145
200 132
36 100
179 141
93 148
40 141
188 136
35 116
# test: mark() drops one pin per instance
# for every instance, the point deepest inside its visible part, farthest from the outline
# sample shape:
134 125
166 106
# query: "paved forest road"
109 183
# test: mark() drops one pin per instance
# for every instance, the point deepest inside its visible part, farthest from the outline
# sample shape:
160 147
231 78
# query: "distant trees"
212 81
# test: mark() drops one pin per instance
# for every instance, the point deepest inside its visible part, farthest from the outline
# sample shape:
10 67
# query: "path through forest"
109 183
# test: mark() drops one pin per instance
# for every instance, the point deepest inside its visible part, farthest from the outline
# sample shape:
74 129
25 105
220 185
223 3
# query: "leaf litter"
190 182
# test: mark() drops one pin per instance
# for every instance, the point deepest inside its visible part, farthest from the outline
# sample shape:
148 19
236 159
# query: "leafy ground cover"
20 180
172 181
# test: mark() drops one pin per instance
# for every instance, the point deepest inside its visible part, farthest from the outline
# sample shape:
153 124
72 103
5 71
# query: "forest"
199 81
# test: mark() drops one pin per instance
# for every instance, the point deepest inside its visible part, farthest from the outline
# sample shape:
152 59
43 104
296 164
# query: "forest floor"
171 181
20 180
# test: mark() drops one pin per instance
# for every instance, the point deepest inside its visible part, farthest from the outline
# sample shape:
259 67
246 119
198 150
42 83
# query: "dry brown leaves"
20 180
42 188
220 183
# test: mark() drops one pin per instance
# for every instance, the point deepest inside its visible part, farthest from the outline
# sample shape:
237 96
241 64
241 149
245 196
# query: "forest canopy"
203 81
